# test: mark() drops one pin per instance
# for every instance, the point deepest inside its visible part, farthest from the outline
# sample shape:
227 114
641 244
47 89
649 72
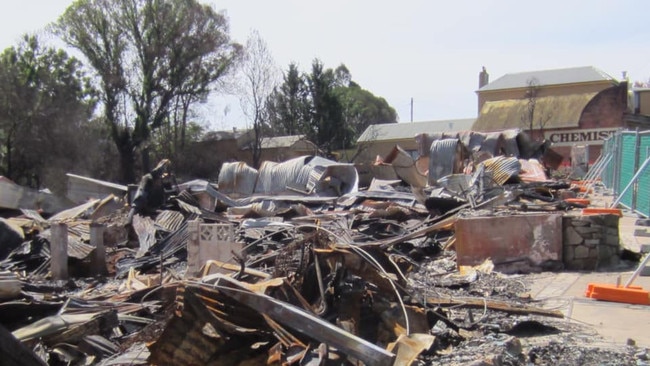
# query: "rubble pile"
292 264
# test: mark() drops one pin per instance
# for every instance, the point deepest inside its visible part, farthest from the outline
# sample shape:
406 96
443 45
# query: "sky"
429 51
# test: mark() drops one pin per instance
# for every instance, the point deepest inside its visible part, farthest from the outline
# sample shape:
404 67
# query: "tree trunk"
127 162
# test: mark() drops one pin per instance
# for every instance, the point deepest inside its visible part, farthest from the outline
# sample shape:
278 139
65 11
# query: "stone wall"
590 242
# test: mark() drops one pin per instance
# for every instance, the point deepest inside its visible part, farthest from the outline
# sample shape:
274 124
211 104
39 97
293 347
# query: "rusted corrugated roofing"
558 111
502 168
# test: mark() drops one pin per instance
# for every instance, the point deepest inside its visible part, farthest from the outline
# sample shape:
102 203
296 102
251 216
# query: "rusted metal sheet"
502 168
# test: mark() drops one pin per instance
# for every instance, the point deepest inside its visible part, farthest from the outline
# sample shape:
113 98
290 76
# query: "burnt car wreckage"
292 264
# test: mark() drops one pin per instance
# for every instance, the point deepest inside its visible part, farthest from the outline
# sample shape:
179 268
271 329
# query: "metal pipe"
634 178
597 174
639 269
596 167
591 170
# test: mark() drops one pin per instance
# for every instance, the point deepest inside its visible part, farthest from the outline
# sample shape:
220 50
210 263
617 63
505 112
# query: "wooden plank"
493 305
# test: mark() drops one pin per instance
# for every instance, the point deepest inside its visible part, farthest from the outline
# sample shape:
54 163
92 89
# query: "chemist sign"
593 136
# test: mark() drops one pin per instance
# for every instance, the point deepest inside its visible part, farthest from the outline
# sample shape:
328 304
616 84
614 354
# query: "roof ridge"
554 69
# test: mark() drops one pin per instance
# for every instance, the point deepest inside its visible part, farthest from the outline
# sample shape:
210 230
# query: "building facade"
568 107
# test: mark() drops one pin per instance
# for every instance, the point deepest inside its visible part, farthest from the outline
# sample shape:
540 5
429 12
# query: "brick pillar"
59 251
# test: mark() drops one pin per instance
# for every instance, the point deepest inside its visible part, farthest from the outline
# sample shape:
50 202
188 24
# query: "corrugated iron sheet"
443 158
76 235
237 178
502 168
405 167
511 142
458 183
170 220
476 140
276 177
492 143
308 175
341 177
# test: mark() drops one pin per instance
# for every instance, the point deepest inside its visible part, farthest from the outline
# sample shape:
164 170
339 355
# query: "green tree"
45 100
326 106
361 109
149 56
288 105
325 123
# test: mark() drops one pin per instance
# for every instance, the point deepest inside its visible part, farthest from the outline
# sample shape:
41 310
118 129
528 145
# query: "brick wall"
606 109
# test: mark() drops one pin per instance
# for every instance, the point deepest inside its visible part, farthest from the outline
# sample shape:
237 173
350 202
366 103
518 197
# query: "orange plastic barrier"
602 211
629 295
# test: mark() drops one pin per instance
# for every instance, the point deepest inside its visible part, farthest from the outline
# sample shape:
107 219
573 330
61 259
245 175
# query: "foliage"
325 123
326 106
361 109
153 59
45 100
288 105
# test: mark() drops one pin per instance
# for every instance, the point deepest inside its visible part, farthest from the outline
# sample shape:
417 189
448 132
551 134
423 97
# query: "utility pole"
411 109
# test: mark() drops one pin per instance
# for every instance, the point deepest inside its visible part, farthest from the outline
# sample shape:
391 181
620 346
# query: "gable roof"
407 130
584 74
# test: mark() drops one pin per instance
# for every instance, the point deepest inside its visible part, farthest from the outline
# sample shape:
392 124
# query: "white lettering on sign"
594 136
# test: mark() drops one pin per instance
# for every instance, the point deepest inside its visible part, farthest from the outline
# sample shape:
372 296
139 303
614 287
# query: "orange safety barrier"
629 295
602 211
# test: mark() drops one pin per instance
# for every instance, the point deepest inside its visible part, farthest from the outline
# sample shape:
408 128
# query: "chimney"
483 78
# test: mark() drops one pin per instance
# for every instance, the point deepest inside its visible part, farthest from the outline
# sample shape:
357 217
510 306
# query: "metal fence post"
618 162
637 156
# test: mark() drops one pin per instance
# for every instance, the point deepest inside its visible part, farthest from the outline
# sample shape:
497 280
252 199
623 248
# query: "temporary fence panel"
643 187
607 176
627 168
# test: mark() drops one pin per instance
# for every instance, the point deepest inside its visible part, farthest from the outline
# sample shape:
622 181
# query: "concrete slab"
616 322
